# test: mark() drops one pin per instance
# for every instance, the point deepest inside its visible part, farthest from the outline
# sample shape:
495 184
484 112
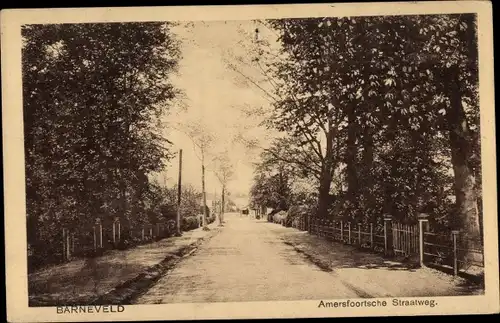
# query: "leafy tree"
224 172
92 94
273 180
203 140
389 106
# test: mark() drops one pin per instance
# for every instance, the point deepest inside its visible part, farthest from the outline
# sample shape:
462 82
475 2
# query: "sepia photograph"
245 159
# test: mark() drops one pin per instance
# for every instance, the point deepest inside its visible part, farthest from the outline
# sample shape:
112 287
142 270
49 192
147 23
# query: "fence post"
119 230
114 231
97 234
340 236
68 244
349 230
100 234
342 231
388 245
454 235
371 235
359 234
421 219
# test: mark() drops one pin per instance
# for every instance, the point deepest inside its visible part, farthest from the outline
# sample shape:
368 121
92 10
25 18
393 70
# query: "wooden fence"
70 243
417 241
405 239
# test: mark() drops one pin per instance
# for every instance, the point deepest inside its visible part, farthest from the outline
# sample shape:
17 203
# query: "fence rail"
451 249
69 243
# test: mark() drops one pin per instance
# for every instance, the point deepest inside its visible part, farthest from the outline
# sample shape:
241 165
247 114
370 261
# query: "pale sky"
218 99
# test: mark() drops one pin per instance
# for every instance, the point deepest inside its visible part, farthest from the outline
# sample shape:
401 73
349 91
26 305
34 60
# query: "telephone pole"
179 185
214 202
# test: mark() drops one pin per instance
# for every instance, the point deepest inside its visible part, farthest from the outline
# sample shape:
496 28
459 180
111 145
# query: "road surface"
246 261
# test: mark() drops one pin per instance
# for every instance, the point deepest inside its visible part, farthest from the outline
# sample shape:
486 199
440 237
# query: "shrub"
211 218
190 223
280 217
296 213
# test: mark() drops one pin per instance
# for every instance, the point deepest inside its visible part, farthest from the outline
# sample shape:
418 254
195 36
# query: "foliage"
280 217
211 218
383 111
190 223
92 96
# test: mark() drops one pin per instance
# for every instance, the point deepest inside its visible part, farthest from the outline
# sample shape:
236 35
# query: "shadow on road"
339 255
388 277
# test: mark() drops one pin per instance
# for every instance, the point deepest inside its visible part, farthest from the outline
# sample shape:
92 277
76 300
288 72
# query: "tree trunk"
204 219
465 181
350 157
122 209
123 196
367 168
324 194
179 195
326 178
221 218
283 190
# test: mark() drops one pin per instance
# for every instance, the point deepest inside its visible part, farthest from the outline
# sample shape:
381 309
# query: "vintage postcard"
249 161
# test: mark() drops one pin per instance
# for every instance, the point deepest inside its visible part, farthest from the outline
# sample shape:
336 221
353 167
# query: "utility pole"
204 219
221 218
179 186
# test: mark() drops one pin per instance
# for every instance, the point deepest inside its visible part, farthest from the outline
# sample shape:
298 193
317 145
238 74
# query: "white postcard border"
14 189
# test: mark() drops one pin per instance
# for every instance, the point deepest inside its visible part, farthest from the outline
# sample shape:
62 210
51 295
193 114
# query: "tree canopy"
93 95
381 113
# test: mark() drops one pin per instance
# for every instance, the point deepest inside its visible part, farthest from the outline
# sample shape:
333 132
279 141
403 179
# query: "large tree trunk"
283 190
351 161
350 158
367 168
325 181
324 193
465 181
